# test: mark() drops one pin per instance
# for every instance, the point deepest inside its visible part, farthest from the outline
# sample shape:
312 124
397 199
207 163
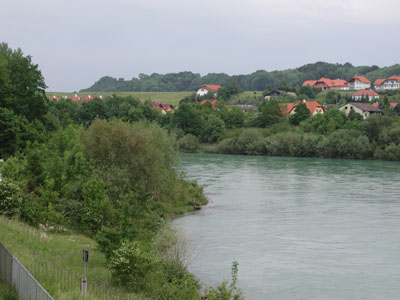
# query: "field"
166 97
55 260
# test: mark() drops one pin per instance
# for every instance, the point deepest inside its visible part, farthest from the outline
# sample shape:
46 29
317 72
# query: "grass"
55 260
7 292
166 97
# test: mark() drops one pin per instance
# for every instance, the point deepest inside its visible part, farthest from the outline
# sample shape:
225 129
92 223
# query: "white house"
205 88
360 95
391 83
359 83
364 109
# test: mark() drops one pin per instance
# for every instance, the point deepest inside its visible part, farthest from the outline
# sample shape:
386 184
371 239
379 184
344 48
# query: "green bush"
188 143
131 265
11 198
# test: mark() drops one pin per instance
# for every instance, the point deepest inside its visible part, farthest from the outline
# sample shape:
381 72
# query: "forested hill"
257 81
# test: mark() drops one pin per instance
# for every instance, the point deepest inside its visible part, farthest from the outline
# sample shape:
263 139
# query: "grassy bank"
55 260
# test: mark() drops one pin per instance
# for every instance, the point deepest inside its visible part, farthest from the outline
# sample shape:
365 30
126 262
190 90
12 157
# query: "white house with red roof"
205 88
359 83
327 84
391 83
360 95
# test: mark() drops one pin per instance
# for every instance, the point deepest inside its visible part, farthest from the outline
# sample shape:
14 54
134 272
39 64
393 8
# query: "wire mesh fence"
14 273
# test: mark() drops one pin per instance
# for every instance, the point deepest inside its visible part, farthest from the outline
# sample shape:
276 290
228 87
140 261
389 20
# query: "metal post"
84 279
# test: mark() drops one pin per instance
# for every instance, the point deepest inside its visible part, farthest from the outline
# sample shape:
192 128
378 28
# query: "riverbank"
344 143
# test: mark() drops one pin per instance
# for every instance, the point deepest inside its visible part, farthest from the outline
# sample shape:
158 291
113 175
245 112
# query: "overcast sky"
75 42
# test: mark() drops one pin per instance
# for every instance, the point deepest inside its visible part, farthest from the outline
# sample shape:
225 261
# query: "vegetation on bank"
100 169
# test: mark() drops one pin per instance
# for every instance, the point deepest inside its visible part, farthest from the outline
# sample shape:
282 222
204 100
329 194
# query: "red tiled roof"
393 104
339 83
327 81
364 93
309 82
379 81
311 105
376 104
212 101
360 78
211 87
395 78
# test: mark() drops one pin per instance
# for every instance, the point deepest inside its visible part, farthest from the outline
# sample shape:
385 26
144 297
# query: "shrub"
11 198
188 143
131 265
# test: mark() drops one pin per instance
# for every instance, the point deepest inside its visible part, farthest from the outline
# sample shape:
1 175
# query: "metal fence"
14 273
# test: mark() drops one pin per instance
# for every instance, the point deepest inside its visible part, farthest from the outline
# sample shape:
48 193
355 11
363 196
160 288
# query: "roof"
364 93
327 81
365 106
212 101
376 104
393 104
360 78
394 77
311 105
379 81
309 83
211 87
161 106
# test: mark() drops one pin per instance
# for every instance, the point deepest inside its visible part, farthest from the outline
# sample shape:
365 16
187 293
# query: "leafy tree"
232 88
187 119
270 113
22 87
213 129
301 114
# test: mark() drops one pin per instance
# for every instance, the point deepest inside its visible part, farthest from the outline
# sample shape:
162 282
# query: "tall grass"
55 260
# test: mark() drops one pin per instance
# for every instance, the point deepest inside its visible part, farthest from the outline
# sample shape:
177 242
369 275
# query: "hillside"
256 81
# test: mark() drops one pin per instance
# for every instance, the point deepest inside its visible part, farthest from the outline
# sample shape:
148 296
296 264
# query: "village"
365 100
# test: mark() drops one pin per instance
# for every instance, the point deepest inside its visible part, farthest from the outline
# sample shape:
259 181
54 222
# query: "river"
300 228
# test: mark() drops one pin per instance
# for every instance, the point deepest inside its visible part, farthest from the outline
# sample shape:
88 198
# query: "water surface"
299 228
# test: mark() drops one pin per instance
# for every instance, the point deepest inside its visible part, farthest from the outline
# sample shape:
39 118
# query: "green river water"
300 228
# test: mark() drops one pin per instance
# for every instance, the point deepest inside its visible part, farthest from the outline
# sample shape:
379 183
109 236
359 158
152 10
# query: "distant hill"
257 81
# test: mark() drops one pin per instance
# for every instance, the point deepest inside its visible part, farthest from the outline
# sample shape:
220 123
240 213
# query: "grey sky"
75 42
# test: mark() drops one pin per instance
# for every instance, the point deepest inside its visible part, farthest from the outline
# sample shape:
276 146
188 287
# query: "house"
162 107
205 88
360 95
212 101
313 106
364 109
327 84
391 83
359 83
277 93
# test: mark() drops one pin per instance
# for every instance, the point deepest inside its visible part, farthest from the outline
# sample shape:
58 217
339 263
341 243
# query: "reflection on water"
299 228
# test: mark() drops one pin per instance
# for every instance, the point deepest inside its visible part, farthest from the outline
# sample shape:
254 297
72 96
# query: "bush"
188 143
11 198
131 265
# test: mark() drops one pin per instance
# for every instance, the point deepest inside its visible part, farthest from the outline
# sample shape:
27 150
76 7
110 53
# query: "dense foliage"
257 81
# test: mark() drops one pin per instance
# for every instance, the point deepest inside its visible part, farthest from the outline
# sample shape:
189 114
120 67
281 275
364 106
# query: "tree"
232 88
187 119
270 113
213 130
301 113
22 86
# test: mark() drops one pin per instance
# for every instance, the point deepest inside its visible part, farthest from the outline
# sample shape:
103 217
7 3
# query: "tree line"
256 81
